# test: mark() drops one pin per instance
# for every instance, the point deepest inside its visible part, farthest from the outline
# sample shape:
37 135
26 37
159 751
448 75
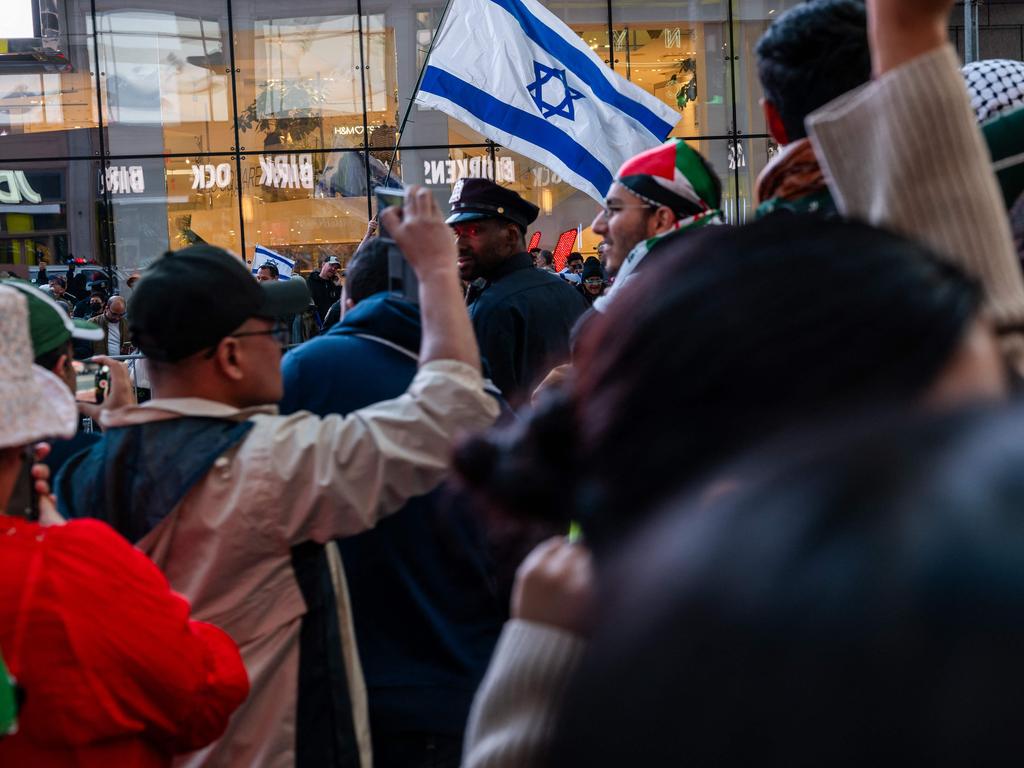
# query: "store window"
173 203
47 82
307 206
50 210
314 82
164 77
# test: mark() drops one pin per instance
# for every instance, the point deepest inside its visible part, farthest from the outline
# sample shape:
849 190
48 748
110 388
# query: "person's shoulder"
528 286
323 349
556 285
88 545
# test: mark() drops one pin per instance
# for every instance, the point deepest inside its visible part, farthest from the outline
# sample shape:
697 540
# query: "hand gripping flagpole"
416 90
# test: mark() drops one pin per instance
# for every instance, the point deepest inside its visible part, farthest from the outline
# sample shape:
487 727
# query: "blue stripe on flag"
274 256
520 124
270 255
585 69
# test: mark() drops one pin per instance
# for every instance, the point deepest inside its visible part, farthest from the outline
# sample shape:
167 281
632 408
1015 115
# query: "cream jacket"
227 546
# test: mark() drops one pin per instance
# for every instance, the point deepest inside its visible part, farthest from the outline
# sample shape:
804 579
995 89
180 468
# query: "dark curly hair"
811 55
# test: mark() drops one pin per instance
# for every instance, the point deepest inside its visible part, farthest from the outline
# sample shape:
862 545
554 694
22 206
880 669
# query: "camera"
402 280
102 383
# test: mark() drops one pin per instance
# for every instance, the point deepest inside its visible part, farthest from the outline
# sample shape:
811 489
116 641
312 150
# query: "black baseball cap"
474 198
189 300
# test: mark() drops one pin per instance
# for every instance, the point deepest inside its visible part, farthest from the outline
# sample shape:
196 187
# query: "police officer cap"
483 199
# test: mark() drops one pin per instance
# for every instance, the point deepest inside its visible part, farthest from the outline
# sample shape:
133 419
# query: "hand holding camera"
419 229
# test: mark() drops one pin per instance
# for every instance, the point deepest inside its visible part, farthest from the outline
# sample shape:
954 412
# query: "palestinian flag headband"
673 175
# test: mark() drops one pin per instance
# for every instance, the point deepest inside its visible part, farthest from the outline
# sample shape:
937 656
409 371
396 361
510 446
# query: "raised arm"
903 30
905 153
428 244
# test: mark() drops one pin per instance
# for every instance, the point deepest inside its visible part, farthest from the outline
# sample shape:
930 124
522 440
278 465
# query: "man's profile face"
625 222
56 288
484 244
264 275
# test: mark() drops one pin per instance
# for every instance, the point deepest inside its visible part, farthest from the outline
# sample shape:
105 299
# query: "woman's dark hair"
857 601
734 335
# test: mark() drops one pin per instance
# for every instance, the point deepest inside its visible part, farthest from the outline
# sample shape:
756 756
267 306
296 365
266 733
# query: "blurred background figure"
856 599
594 280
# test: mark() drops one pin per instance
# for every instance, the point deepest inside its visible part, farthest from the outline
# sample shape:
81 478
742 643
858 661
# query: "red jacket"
114 673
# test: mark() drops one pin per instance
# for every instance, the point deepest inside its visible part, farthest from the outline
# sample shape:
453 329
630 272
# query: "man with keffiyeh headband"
656 195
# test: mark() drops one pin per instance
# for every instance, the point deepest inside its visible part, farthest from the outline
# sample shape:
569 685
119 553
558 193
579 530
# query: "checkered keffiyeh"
996 86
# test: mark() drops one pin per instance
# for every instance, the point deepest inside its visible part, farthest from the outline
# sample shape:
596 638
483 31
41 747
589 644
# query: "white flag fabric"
263 255
511 70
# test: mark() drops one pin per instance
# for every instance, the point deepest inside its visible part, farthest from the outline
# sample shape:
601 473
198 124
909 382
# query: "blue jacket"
426 609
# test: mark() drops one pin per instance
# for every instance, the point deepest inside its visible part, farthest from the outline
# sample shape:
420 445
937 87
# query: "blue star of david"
536 88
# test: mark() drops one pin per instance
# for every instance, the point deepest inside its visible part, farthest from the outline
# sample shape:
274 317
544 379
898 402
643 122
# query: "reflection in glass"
302 79
164 82
307 211
50 210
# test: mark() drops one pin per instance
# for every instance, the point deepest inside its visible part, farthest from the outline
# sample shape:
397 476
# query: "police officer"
522 316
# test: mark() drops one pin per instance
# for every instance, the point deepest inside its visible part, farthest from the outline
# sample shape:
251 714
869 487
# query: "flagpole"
416 90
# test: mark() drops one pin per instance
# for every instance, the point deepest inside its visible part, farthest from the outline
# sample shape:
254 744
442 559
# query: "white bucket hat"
34 403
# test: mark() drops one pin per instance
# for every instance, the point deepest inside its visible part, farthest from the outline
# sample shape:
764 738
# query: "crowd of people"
715 494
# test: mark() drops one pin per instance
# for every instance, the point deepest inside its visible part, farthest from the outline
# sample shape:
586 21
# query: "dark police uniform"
523 316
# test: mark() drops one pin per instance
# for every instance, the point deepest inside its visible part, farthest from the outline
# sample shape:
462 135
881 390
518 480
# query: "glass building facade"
129 127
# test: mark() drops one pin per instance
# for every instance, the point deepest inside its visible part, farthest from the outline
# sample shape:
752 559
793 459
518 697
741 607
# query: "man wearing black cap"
523 316
323 286
228 497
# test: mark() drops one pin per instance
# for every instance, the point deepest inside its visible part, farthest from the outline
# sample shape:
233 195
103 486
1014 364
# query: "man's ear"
664 219
228 358
63 365
514 236
773 119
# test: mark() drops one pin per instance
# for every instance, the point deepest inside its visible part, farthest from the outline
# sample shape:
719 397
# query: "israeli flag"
511 70
263 255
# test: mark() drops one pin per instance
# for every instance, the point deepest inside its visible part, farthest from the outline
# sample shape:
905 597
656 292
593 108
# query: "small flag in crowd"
511 70
263 255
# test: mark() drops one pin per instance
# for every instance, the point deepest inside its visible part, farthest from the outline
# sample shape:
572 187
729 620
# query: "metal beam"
972 46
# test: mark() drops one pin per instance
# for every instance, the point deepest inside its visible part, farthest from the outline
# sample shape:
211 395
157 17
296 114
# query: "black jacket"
324 293
522 318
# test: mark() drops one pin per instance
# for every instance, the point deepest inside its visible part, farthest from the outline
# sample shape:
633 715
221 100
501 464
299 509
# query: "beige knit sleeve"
511 723
904 152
